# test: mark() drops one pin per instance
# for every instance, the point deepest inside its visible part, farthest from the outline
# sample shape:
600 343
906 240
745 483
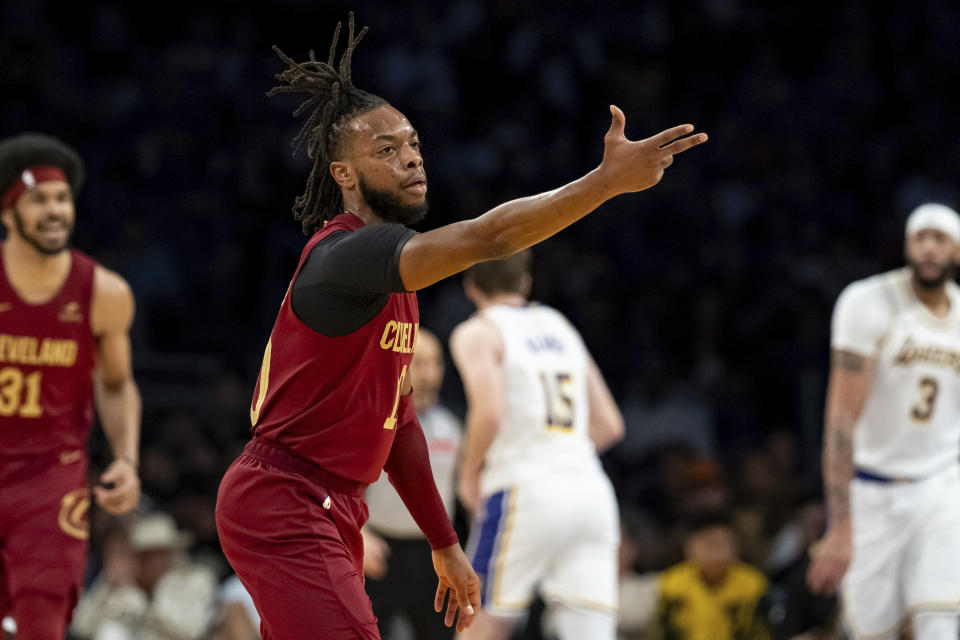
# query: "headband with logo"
28 179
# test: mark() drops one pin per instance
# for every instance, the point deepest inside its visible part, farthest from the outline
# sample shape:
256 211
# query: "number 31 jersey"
910 423
47 354
544 422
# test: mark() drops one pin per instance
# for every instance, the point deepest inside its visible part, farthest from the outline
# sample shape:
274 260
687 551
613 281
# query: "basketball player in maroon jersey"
64 346
332 405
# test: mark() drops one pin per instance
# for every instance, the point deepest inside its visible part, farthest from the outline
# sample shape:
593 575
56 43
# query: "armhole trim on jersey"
888 286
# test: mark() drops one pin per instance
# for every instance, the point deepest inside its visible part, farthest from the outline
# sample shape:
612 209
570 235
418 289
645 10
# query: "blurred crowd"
706 301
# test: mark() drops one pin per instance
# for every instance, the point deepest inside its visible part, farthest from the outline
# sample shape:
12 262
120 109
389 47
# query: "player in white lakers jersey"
538 411
892 443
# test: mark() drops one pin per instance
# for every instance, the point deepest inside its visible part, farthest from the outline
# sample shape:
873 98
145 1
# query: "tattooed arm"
850 379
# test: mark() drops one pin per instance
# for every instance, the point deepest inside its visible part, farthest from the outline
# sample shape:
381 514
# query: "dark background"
706 301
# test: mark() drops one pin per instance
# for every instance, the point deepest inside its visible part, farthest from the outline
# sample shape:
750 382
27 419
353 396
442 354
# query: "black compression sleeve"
348 278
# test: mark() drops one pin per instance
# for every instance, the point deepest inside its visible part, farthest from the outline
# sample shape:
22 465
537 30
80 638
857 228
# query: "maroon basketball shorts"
292 534
44 529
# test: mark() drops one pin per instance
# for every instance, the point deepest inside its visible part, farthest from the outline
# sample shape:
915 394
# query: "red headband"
28 179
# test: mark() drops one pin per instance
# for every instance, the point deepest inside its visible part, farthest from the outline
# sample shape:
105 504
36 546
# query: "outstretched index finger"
681 145
671 134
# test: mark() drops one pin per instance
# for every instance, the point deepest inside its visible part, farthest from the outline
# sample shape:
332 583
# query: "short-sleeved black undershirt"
348 278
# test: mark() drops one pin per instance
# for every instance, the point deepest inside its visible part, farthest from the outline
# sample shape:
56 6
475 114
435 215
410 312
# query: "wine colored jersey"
47 354
332 397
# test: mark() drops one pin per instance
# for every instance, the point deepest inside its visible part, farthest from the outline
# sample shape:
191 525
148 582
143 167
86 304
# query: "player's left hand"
123 493
457 577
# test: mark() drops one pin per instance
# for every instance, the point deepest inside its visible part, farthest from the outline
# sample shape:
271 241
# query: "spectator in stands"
711 595
148 589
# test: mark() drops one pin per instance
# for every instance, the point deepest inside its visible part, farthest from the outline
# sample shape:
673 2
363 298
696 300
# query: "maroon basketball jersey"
334 400
47 354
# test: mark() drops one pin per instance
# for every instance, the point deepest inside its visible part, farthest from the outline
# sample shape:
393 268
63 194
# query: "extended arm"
606 421
477 352
627 166
116 394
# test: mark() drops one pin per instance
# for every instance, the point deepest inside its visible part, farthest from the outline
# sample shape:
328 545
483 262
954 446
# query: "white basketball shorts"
906 552
558 534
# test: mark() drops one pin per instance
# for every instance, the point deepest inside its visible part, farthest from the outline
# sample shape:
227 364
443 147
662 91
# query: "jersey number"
923 410
556 390
19 393
391 422
264 382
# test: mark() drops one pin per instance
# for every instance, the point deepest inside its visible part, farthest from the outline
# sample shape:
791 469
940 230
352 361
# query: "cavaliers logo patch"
73 514
70 312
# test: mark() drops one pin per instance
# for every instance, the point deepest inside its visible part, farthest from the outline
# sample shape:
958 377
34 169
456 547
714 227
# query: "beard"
46 249
946 273
388 206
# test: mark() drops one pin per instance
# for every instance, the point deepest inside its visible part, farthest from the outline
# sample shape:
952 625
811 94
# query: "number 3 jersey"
544 421
910 423
47 354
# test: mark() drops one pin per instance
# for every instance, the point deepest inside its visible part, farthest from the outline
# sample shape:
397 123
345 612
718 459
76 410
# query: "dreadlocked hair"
332 102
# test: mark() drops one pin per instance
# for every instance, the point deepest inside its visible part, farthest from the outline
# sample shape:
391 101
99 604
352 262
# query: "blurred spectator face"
153 564
43 216
384 165
426 370
714 550
931 253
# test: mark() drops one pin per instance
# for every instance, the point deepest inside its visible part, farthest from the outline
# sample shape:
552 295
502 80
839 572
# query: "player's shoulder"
478 325
877 282
878 289
112 307
547 310
109 284
476 335
561 321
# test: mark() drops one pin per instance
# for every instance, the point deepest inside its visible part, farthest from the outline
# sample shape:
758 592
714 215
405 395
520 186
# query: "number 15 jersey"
910 423
544 422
